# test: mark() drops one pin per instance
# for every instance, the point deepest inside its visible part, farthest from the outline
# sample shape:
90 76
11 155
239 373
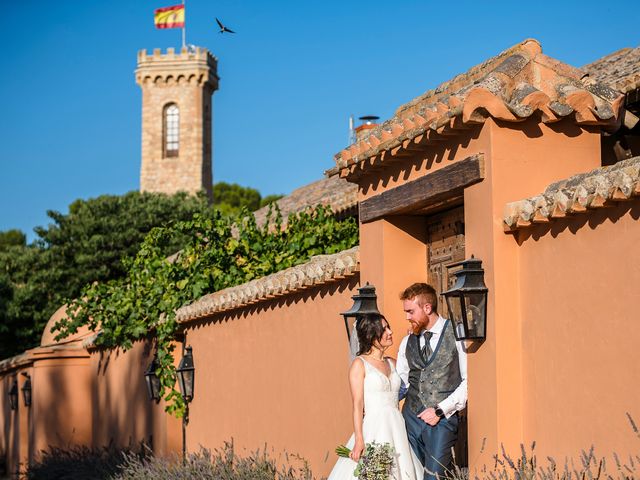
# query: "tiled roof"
512 86
339 194
319 270
575 195
619 70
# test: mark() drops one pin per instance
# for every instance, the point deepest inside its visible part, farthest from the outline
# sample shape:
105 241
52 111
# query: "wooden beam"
420 193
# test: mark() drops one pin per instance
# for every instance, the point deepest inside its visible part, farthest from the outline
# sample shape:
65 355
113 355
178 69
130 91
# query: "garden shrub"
222 464
81 463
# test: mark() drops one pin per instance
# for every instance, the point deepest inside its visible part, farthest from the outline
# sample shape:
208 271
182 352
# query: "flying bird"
223 28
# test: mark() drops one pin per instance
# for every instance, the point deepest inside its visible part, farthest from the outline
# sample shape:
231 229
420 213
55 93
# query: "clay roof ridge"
334 192
511 86
320 269
577 194
619 70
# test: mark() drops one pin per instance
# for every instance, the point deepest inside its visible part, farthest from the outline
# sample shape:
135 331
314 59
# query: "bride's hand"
357 450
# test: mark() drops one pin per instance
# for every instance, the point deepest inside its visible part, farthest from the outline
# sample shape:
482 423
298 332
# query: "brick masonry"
187 79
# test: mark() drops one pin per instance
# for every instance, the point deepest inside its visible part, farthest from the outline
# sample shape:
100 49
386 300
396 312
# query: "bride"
374 390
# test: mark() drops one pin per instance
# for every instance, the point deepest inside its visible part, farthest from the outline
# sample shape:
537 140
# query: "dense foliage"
11 238
86 244
231 198
216 253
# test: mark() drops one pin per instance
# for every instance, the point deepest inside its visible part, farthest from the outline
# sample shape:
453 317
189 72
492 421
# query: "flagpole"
184 26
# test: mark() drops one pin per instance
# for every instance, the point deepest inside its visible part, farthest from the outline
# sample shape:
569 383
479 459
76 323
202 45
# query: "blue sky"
290 78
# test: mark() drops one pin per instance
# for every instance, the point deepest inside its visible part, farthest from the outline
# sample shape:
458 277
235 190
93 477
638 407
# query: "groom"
433 368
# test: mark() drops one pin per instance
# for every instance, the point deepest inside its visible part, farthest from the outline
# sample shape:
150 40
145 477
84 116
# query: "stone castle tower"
176 119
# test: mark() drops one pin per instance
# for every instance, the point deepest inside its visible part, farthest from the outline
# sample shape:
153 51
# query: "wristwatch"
439 411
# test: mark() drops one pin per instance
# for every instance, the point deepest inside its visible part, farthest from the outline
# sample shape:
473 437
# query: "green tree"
87 244
270 199
230 198
10 238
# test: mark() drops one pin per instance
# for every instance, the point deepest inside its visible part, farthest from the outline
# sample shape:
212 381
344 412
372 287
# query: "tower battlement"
188 65
176 119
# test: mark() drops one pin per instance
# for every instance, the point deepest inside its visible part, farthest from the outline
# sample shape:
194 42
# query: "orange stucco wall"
521 163
61 403
393 250
579 302
122 413
275 374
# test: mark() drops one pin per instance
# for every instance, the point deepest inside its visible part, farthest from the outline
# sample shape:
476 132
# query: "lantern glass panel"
476 306
185 380
26 392
13 397
153 385
455 304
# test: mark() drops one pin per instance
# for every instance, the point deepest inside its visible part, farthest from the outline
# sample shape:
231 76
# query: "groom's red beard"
414 328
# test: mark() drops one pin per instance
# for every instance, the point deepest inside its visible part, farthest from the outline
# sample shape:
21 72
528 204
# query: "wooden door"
445 246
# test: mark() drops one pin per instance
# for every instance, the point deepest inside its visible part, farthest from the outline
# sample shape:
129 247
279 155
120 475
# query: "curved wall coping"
577 195
321 269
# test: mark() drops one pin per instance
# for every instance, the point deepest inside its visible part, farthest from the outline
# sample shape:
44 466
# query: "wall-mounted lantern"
363 302
467 301
186 375
152 381
13 395
26 390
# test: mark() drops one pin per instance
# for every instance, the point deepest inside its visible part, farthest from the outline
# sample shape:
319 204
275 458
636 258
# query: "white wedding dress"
383 423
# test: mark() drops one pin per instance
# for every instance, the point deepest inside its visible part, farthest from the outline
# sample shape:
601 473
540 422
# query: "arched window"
171 130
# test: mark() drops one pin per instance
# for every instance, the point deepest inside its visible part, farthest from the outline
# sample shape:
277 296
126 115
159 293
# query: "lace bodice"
380 391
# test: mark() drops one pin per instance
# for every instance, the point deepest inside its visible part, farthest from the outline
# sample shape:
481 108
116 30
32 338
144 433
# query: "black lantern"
364 302
26 390
186 374
152 381
467 301
13 395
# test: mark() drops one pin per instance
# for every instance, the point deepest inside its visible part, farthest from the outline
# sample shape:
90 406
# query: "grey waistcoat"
432 381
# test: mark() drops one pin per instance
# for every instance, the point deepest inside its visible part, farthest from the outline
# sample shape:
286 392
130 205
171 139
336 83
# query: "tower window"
171 130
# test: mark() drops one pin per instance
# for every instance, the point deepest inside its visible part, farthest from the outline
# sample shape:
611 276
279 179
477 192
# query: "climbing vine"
217 254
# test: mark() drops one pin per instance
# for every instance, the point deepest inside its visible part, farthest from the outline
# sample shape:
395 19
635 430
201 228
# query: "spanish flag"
169 17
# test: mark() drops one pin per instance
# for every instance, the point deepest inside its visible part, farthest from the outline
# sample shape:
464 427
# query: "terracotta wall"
393 250
121 412
275 374
522 161
9 456
579 301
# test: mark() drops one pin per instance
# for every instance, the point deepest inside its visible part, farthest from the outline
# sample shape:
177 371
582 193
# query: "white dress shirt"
457 400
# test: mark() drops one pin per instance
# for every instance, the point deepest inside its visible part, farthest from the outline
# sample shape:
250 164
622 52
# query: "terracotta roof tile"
577 194
339 194
619 70
511 87
319 270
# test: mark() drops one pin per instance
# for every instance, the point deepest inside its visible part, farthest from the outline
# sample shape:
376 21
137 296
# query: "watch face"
439 412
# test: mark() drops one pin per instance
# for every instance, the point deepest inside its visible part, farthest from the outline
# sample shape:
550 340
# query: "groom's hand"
429 416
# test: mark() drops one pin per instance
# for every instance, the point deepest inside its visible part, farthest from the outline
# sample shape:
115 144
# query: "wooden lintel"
422 192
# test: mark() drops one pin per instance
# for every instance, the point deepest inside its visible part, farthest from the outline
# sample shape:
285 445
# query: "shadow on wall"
122 414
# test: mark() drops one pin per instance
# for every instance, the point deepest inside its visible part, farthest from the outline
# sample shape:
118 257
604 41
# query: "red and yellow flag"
169 17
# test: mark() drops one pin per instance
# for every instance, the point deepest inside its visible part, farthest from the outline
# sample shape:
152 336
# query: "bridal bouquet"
375 462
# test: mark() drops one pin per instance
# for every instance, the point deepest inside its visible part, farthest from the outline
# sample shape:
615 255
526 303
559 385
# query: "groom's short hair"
423 292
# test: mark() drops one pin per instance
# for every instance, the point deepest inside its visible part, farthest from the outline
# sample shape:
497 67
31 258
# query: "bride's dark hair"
369 329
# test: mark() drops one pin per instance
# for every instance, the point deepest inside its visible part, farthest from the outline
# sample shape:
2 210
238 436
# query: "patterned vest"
432 381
